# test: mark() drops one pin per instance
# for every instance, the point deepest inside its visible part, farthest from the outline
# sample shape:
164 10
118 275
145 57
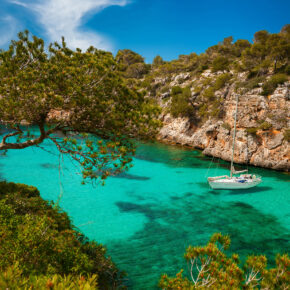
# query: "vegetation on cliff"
198 93
40 246
239 65
210 267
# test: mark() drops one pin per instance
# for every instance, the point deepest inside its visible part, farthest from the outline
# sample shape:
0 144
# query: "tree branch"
43 135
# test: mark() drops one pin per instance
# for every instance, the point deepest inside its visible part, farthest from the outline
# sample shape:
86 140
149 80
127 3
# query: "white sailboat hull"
233 183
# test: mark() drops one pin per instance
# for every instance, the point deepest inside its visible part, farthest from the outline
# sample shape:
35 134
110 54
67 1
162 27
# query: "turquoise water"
149 215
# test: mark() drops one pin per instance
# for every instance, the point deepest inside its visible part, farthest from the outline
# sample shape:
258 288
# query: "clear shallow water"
149 215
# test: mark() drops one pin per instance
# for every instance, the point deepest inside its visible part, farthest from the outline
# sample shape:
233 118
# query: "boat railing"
217 177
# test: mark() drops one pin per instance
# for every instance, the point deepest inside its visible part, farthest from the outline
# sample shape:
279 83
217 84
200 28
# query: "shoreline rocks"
263 147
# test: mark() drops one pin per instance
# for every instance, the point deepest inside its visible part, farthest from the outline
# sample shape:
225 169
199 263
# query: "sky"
167 28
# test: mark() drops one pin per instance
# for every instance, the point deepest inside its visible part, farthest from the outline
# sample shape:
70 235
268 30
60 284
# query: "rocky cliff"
262 135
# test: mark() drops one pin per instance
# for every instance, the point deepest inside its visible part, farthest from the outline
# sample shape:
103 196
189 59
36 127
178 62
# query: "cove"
149 215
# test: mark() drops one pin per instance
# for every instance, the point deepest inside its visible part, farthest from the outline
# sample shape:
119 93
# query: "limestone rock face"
267 147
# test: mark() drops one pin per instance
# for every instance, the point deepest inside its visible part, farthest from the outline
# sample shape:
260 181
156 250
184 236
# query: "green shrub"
252 131
179 106
203 110
211 267
265 125
209 93
254 83
205 82
165 89
287 70
227 126
215 108
221 81
176 90
287 135
157 61
220 63
202 68
41 239
180 101
13 278
270 86
136 70
198 89
251 83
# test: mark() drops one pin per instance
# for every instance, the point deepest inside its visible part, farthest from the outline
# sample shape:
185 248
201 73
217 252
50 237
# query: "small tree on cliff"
61 90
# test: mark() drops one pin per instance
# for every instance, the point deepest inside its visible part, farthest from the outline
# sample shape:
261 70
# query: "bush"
221 81
265 125
176 90
157 61
13 278
227 126
220 63
287 135
270 86
254 83
252 131
136 70
180 101
165 89
250 84
209 93
202 68
203 110
211 268
40 238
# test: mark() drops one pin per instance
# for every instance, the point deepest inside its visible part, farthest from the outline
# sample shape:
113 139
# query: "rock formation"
255 144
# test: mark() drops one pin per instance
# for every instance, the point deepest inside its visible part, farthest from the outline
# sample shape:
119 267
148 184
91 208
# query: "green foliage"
158 60
221 81
40 239
137 70
180 101
240 45
74 92
227 126
250 84
131 64
210 267
252 131
176 90
209 93
206 81
165 89
261 36
220 63
271 84
265 125
287 135
13 278
268 50
127 57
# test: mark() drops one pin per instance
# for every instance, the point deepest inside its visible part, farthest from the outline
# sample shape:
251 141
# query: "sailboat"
236 180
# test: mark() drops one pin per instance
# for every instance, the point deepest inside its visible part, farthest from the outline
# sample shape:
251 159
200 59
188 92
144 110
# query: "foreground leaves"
38 239
210 267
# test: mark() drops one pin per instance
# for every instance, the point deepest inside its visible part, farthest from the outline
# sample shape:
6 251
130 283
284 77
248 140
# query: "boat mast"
234 137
